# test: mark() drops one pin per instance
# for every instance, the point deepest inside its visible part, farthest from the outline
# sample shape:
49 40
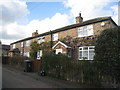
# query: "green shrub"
55 64
107 51
17 61
62 67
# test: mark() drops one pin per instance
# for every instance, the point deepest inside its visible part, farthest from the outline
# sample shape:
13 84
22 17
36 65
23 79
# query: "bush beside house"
104 69
17 62
62 67
107 56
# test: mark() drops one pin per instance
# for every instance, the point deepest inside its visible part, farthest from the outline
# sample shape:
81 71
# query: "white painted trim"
59 51
85 50
60 43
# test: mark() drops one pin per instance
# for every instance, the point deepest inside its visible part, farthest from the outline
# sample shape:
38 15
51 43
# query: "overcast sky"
20 18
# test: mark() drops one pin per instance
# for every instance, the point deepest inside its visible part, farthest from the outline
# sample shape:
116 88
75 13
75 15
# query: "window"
86 53
21 44
27 54
85 31
39 54
58 51
55 37
21 53
14 46
41 39
28 43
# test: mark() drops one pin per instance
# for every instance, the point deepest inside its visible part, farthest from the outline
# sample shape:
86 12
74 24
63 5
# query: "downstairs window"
86 53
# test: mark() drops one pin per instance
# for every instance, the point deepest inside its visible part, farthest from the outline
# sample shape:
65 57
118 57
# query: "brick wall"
48 38
72 33
97 28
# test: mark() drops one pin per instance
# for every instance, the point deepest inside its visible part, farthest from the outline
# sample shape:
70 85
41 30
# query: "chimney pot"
35 33
79 19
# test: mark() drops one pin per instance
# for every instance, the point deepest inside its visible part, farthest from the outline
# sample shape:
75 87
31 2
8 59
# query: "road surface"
13 79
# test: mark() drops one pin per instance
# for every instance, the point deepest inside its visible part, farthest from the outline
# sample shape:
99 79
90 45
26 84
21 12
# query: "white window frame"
21 44
82 50
55 37
27 54
28 43
58 51
14 46
39 54
21 53
85 31
41 39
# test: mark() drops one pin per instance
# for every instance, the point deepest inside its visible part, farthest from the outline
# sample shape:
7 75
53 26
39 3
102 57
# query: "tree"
34 47
107 53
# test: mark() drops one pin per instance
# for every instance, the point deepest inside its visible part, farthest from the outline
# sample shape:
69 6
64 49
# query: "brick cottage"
75 41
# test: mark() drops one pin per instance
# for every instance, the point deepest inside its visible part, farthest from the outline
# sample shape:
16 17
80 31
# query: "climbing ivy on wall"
82 41
73 42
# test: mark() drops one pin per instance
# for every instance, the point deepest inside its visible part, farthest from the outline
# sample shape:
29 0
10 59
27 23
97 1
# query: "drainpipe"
51 42
23 48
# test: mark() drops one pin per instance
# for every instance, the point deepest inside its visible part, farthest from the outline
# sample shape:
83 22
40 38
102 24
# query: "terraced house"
75 41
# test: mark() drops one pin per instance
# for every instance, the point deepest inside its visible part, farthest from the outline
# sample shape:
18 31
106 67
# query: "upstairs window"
27 54
21 44
41 39
28 43
86 53
14 46
55 37
85 31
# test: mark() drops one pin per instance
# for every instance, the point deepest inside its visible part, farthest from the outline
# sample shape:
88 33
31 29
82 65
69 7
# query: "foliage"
55 64
107 51
34 47
45 45
17 61
62 67
82 41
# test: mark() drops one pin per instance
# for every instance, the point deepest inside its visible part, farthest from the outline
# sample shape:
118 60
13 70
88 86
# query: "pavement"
45 79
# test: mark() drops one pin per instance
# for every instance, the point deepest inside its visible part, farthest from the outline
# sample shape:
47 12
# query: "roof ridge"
107 17
87 22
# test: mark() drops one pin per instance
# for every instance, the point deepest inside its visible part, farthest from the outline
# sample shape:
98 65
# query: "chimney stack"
35 33
79 19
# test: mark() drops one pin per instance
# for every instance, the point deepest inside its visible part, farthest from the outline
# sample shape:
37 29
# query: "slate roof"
100 19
